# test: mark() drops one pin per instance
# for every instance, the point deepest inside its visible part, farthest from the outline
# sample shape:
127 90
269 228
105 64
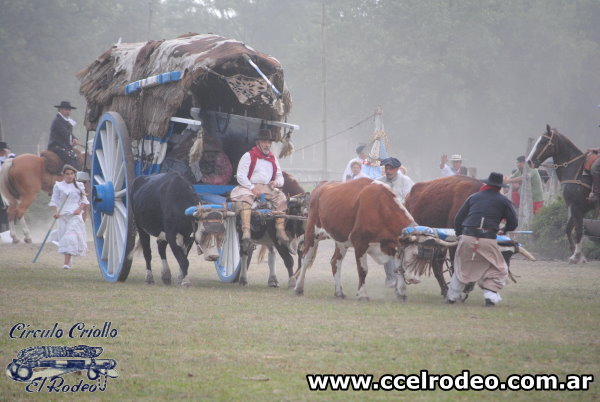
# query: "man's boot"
280 231
595 193
246 215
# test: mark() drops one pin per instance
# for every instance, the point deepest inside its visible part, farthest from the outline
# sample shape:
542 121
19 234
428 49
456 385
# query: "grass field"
218 341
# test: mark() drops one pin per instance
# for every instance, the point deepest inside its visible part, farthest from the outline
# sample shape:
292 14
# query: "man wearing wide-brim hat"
259 173
454 168
61 139
478 258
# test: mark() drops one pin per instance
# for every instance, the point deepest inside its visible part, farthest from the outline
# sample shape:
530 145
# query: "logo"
43 367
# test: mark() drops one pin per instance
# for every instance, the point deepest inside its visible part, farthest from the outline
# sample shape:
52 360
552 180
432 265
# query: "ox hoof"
166 281
292 283
401 298
340 295
28 240
16 241
149 280
273 283
363 298
243 282
299 292
186 283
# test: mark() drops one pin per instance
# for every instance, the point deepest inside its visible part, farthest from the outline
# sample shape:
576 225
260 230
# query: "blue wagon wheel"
112 216
229 263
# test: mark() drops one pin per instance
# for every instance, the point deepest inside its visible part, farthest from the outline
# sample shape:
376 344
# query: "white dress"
70 236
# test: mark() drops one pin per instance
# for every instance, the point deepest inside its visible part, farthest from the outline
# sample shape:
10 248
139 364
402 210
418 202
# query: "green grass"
218 341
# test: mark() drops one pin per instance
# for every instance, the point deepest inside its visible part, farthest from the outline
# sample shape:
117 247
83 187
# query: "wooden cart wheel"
112 216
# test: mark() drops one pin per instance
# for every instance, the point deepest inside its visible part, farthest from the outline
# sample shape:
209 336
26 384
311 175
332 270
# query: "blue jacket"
489 205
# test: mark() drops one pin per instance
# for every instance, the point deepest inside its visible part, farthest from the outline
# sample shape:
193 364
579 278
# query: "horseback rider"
478 257
5 154
595 171
259 173
61 139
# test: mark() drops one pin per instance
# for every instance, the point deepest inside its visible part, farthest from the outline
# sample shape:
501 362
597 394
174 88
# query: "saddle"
589 161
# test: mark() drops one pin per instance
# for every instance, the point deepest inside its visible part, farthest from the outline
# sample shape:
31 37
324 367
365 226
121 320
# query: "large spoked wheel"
229 263
112 215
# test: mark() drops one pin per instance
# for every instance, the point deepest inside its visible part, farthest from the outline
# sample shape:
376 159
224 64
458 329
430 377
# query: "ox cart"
193 104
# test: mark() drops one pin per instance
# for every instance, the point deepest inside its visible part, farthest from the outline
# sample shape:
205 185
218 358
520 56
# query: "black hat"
495 180
65 105
360 148
393 162
3 145
521 158
264 134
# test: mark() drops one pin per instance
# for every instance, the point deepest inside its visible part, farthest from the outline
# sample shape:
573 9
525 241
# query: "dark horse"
568 162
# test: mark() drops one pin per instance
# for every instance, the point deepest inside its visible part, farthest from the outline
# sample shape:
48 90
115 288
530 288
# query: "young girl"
70 235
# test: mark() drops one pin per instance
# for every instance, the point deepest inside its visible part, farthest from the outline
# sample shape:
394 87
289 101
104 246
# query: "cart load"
194 105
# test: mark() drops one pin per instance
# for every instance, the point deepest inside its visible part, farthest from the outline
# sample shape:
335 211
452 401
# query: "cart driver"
259 172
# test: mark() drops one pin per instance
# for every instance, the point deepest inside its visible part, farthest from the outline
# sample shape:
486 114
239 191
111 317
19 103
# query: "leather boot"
246 215
595 193
280 231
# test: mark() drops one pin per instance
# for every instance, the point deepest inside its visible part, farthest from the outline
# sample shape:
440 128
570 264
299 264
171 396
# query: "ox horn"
526 254
445 243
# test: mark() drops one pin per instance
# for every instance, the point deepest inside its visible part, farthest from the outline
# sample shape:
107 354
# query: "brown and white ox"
362 214
435 203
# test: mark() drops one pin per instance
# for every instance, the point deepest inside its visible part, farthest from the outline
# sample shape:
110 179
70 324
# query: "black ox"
159 204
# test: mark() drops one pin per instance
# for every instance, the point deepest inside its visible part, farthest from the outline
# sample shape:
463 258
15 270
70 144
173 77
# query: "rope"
338 133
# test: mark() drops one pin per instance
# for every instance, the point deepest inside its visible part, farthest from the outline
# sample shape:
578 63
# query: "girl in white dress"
70 235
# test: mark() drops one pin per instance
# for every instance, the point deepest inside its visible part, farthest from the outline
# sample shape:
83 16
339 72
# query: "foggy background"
473 77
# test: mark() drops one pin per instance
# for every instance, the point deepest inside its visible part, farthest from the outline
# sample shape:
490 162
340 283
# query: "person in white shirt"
68 203
356 171
259 173
371 170
455 167
401 186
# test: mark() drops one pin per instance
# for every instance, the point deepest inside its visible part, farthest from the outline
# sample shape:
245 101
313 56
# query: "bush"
550 237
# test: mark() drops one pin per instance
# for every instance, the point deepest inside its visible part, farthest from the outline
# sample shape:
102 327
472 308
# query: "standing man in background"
455 167
535 179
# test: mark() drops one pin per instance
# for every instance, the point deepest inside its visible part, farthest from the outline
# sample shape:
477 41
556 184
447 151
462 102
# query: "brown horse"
21 179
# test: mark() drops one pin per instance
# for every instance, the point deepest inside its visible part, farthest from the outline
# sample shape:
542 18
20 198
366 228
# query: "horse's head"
544 148
210 234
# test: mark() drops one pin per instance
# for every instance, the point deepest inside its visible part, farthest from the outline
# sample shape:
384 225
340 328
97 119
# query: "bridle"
562 165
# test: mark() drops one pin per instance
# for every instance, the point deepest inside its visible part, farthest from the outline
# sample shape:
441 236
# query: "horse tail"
9 197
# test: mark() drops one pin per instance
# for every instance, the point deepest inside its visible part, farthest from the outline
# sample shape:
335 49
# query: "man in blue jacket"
478 258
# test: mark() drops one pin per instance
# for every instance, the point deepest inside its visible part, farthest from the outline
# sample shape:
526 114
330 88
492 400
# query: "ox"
264 234
362 214
435 204
159 204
